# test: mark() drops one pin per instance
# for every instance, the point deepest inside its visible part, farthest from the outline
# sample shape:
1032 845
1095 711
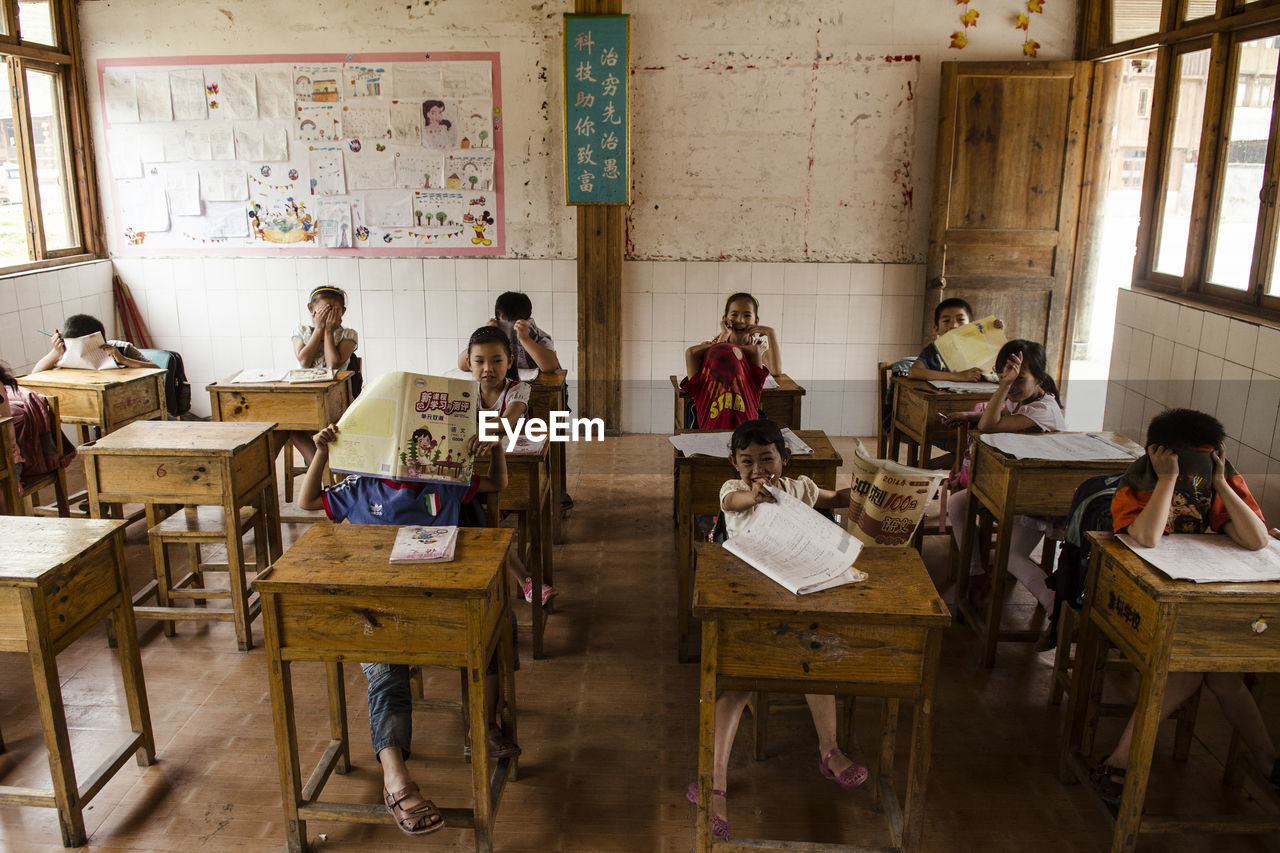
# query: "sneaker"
548 592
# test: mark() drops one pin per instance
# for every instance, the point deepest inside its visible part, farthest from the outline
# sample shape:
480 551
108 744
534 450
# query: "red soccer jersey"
726 391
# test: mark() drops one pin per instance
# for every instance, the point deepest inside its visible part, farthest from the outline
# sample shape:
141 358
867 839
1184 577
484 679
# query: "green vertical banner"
597 128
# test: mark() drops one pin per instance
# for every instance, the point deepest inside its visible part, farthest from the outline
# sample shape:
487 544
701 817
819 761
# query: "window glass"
13 216
1197 9
1183 161
1249 130
35 22
1131 19
53 166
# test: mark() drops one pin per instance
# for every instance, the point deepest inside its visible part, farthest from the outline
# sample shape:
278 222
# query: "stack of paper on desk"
963 387
717 443
1210 558
791 544
1059 446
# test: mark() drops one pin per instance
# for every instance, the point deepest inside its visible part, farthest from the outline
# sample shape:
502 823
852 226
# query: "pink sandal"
719 825
853 776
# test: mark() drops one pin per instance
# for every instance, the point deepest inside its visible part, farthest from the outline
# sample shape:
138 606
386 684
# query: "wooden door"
1010 158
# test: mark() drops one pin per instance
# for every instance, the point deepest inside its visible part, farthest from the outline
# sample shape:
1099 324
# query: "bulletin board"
348 154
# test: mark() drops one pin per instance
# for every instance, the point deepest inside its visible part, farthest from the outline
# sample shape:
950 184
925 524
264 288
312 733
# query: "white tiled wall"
225 314
1170 355
42 300
834 321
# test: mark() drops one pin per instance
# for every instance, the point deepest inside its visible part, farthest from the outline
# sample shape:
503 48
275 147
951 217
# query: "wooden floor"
608 726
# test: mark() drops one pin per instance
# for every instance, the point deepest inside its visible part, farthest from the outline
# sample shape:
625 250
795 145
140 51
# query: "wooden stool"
191 527
65 577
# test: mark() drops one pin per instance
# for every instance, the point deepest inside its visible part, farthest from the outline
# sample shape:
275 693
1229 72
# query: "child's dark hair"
79 325
6 378
426 108
953 302
489 335
759 431
513 306
328 290
1033 359
1185 428
734 297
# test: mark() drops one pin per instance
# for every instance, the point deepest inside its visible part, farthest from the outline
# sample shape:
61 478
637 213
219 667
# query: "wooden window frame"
1235 21
80 179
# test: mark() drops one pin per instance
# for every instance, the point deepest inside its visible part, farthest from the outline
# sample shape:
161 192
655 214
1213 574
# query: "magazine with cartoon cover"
410 427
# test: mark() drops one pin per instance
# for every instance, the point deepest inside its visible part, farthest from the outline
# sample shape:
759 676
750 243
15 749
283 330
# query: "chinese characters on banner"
596 77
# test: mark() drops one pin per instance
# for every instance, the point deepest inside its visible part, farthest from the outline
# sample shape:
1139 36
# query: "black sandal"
1109 789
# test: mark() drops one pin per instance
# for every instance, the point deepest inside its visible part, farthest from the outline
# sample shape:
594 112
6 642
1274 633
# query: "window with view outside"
1254 65
53 166
13 216
1182 163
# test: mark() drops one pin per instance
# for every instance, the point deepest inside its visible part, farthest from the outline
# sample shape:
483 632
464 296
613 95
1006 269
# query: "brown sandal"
420 819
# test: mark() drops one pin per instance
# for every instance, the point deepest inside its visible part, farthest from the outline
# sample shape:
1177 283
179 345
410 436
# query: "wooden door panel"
1006 193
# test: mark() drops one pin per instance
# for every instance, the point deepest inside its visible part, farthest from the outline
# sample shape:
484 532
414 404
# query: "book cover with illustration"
418 544
974 344
410 427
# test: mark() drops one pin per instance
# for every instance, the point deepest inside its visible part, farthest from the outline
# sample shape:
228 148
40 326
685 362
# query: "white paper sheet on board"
327 175
210 142
183 186
466 79
275 95
186 88
419 169
224 184
414 82
334 220
275 144
389 209
370 169
119 96
143 205
152 90
239 93
406 123
125 163
317 122
149 144
223 221
365 123
249 142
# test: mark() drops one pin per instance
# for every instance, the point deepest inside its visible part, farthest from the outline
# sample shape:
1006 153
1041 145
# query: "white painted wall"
842 280
1169 355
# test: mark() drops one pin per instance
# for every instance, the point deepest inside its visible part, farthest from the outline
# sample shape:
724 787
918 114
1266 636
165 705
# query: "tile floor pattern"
607 722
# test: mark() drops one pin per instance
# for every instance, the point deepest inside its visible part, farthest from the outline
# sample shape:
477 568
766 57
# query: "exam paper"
1209 558
963 387
717 443
1059 446
791 544
87 353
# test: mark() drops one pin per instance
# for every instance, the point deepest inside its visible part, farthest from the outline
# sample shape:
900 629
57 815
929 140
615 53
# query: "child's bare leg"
1243 714
515 565
1177 690
823 708
395 773
728 714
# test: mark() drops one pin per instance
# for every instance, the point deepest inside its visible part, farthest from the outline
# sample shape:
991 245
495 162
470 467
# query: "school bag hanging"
1090 511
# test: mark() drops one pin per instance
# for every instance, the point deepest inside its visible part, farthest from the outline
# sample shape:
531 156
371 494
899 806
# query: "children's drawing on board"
440 123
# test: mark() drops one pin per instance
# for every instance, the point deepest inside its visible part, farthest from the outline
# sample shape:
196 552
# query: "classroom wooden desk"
550 393
305 406
106 399
528 493
168 463
1001 487
781 404
59 578
1162 626
916 406
10 487
881 637
698 482
335 597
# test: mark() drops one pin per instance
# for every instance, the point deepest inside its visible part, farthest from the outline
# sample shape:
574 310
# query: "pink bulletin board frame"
499 180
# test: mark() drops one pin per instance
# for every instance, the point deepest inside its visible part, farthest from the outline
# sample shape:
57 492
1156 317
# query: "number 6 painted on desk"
160 472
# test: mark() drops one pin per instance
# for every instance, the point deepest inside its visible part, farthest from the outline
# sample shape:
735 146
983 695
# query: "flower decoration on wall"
968 18
1023 22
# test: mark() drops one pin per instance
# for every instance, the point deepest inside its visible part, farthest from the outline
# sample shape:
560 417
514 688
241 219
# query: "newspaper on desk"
1060 446
717 443
793 545
1209 558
